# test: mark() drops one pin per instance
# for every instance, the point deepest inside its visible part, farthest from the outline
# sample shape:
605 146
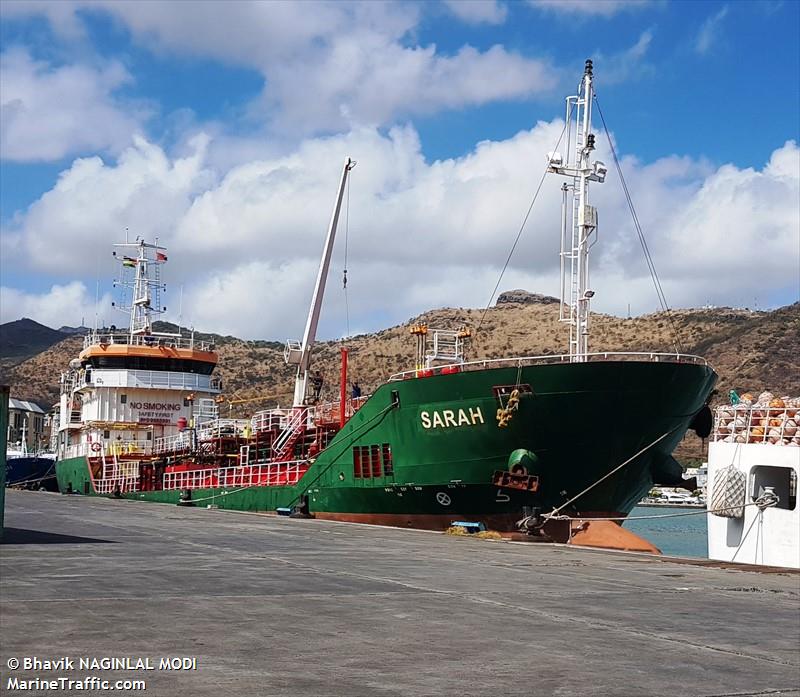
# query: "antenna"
96 291
145 287
180 310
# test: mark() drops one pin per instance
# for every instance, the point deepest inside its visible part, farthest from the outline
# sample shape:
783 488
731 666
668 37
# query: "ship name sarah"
449 418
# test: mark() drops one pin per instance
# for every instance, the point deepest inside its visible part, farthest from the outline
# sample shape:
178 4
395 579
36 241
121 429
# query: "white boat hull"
770 536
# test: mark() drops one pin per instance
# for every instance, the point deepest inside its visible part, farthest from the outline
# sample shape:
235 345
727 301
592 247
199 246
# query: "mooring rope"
555 511
764 501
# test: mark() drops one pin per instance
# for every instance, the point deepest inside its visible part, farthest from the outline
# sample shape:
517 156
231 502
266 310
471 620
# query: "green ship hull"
425 452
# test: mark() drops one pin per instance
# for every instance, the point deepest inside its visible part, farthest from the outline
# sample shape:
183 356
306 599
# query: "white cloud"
330 66
49 112
627 64
709 31
92 204
478 11
69 304
245 245
597 8
367 81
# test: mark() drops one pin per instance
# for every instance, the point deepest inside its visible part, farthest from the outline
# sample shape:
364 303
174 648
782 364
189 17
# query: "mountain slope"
25 337
750 350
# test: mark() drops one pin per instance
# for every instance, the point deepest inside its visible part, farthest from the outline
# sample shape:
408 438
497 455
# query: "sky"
221 129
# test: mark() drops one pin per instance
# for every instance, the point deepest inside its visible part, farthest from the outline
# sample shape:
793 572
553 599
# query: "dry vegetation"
750 350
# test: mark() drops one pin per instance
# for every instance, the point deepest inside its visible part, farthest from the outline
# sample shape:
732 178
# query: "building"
26 421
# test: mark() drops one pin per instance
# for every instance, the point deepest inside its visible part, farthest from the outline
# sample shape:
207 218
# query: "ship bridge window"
177 365
782 480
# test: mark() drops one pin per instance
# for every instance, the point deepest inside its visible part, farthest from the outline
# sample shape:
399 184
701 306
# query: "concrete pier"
273 606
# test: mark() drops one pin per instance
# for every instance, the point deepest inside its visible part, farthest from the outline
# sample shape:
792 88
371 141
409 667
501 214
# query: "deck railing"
122 484
206 431
96 338
109 449
523 361
121 476
329 411
174 443
220 428
270 420
268 474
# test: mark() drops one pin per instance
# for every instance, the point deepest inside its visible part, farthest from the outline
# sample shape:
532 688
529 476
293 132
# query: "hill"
750 350
24 338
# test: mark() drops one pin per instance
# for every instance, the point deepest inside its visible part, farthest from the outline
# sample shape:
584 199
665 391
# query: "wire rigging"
662 299
524 222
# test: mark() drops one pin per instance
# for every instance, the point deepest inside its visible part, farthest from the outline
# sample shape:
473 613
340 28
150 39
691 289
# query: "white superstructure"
753 469
127 389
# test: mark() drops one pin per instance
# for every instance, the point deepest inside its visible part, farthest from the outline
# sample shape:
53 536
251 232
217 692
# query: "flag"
128 261
160 256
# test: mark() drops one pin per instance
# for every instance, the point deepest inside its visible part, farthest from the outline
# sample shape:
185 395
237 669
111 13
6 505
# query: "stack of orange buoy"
767 419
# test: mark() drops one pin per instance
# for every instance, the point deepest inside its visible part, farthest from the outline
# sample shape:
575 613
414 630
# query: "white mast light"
555 159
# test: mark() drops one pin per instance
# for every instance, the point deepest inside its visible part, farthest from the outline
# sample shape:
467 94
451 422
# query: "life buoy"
96 447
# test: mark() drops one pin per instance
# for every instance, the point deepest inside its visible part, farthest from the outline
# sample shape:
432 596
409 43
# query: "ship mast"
145 286
300 353
578 218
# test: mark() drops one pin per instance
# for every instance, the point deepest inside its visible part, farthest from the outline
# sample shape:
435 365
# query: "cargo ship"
494 442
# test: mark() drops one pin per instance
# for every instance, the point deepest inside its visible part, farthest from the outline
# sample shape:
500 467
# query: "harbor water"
683 536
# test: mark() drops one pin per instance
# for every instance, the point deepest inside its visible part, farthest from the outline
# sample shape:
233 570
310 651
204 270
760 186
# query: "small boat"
30 470
674 498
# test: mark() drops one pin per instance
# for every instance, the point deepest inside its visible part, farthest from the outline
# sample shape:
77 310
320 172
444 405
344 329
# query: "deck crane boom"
297 353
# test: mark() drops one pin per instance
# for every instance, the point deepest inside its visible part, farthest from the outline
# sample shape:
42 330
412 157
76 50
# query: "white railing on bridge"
268 474
523 361
102 338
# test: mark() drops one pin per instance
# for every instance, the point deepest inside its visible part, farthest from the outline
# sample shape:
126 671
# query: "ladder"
288 437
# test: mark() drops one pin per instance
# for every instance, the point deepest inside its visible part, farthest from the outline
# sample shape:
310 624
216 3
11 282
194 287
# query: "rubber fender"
522 461
702 422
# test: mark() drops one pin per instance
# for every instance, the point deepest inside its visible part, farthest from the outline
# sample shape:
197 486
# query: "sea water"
681 536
